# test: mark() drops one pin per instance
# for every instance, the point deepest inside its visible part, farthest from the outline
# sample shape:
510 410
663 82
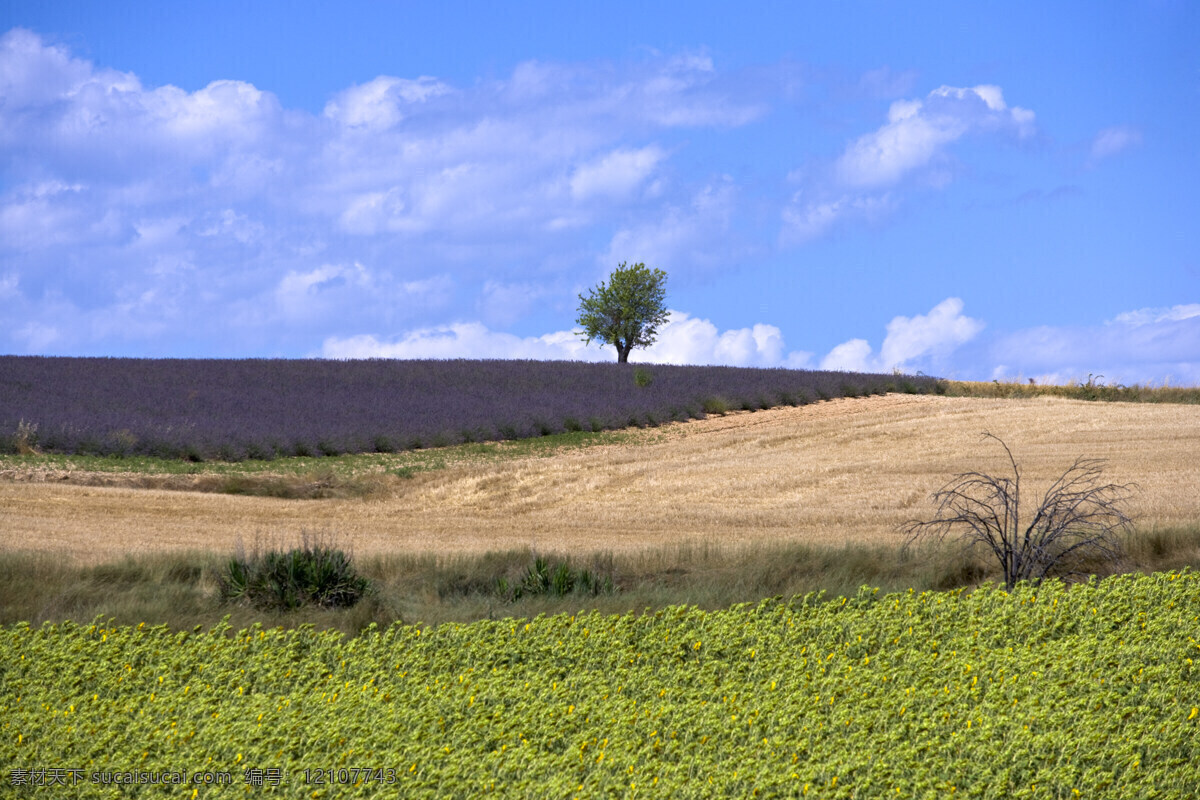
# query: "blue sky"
982 190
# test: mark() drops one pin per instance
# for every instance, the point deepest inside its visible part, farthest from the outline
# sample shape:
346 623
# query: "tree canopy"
627 311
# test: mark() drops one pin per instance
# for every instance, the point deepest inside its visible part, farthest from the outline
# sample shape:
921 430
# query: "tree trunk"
623 353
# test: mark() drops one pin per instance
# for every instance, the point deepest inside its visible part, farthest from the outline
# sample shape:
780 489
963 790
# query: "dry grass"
839 472
1094 388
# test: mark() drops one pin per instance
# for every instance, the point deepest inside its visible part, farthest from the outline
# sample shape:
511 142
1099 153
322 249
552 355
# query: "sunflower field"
1046 691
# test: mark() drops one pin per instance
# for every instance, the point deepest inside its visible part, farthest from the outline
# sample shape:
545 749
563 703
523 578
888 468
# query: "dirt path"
829 473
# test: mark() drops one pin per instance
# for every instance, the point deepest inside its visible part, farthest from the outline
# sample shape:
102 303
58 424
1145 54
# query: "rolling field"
1086 690
840 471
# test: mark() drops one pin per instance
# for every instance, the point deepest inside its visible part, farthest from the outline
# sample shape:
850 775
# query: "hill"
845 470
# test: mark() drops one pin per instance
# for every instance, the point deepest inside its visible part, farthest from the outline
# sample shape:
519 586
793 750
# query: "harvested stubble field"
831 473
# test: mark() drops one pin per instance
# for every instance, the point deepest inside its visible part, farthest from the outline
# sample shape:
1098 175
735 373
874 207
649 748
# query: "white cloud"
376 212
693 235
682 340
229 208
922 340
355 292
51 188
1144 346
684 93
224 109
689 340
465 340
1140 346
862 183
474 155
300 293
616 174
804 221
798 359
379 104
1148 316
939 332
918 130
36 75
1111 141
852 356
101 128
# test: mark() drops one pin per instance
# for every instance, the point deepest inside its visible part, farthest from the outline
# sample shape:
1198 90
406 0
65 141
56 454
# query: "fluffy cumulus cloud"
918 130
63 116
925 341
913 143
381 103
935 334
691 340
616 174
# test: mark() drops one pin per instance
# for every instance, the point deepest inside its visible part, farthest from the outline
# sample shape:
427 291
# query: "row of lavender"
263 408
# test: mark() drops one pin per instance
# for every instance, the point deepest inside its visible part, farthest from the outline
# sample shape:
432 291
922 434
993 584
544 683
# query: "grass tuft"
546 578
313 574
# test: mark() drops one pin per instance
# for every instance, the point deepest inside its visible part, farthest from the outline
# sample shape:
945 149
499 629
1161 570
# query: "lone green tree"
626 312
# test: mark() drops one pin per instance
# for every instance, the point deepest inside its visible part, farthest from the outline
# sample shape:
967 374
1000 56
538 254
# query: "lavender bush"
202 409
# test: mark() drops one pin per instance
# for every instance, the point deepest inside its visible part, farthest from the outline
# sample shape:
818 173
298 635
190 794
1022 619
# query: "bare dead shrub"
1077 522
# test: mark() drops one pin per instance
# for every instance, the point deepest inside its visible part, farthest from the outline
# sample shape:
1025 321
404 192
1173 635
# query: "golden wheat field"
839 471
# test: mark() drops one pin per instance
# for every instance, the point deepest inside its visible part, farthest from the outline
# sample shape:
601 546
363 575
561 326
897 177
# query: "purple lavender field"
203 409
